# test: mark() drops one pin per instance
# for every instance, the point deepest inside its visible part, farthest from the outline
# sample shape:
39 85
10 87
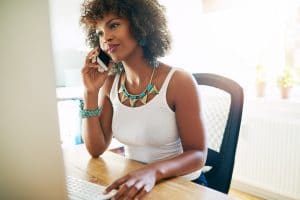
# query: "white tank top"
149 132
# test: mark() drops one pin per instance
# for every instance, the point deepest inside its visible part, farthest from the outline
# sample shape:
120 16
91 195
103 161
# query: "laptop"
31 162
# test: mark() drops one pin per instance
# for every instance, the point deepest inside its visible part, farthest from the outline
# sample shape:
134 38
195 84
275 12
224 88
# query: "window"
233 37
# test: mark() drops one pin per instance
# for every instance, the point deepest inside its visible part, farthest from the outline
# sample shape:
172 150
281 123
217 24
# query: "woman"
152 108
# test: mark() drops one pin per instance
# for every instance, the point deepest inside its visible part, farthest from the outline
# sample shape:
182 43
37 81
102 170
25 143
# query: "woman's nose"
107 36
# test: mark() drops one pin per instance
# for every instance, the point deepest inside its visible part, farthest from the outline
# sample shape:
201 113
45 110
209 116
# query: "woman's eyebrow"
108 22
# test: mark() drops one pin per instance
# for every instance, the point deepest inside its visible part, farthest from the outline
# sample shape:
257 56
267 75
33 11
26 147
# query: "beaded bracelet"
88 113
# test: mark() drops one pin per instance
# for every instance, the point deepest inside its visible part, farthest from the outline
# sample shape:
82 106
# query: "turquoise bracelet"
88 113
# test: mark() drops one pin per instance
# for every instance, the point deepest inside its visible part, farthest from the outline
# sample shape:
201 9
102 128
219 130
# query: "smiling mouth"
112 48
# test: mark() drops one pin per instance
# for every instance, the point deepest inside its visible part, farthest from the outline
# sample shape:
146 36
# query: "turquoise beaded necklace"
142 97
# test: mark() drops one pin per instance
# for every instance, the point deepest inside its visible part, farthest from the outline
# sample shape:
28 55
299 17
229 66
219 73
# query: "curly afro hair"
147 23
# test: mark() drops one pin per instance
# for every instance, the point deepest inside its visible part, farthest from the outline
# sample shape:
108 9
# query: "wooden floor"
242 196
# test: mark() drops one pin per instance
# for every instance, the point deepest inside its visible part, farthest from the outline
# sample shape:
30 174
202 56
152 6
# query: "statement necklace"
142 97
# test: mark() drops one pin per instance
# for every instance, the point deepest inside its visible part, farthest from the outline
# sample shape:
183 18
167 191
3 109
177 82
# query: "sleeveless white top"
149 132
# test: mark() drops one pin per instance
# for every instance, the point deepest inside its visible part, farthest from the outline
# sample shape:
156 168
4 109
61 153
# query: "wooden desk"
110 166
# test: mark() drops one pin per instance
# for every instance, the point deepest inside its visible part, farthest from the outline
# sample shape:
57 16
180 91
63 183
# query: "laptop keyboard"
83 190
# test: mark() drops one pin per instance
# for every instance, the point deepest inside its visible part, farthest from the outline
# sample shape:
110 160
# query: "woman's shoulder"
181 85
179 79
178 73
180 76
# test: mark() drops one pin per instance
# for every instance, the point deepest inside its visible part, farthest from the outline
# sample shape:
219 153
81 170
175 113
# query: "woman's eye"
114 25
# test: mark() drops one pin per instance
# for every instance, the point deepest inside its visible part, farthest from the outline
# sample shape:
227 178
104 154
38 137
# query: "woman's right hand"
93 80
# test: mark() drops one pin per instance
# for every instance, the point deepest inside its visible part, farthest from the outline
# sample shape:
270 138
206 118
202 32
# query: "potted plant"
260 80
285 82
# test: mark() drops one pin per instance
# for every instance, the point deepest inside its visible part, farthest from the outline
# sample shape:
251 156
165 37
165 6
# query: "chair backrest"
222 105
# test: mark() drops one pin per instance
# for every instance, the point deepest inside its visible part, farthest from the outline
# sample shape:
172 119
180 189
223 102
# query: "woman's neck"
137 72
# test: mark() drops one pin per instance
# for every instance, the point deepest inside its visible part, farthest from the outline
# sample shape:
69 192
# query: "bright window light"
231 38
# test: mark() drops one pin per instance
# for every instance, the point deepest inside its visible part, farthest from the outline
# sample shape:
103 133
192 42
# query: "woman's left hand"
134 185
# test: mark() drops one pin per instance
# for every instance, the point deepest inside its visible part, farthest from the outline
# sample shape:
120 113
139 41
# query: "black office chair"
222 105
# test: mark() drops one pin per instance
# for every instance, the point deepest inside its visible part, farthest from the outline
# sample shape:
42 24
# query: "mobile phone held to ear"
103 60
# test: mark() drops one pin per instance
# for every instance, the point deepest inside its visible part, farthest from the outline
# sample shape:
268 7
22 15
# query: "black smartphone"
103 60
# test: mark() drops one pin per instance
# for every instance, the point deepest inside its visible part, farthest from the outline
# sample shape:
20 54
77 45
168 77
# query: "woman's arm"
183 96
97 131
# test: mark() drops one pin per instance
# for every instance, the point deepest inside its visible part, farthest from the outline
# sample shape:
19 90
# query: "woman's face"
115 37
